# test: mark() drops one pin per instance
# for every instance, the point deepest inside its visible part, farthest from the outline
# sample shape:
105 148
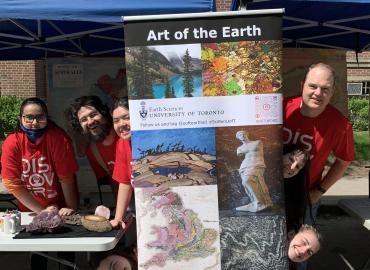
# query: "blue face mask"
33 134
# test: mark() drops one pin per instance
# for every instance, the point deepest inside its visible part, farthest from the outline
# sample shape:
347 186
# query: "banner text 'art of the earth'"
206 115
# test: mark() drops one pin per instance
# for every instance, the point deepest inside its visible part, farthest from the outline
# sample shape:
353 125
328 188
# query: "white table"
7 243
78 244
360 209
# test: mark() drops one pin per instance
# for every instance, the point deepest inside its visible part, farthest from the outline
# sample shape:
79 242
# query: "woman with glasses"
38 163
38 167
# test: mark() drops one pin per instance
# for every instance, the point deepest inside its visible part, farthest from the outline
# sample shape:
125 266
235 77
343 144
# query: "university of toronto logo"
143 112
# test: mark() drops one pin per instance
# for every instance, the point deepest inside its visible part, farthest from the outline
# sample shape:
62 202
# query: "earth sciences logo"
143 112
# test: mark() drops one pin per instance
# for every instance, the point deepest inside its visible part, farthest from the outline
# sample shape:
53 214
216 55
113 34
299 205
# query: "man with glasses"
89 117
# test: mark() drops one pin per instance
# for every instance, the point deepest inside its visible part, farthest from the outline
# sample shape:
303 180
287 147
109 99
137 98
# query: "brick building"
223 5
23 78
358 73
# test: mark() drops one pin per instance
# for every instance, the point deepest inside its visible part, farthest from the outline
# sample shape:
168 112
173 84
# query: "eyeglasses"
29 118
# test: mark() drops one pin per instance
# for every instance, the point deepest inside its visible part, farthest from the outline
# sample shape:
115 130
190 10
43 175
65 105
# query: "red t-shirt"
122 167
107 153
321 135
39 164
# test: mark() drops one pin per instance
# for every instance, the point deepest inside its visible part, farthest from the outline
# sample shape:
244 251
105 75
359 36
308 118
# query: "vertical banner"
206 115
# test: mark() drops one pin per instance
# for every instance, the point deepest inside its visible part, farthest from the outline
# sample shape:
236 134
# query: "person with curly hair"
89 117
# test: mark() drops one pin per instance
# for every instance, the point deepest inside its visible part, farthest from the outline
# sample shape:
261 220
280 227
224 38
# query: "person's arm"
16 188
70 194
123 199
335 172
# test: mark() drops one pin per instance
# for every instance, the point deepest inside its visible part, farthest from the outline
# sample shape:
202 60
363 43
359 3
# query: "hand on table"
51 208
117 223
66 211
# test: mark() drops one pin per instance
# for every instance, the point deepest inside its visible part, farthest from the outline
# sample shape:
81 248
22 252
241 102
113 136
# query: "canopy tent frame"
305 23
36 29
37 39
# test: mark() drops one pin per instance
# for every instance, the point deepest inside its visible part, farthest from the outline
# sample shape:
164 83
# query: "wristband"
320 188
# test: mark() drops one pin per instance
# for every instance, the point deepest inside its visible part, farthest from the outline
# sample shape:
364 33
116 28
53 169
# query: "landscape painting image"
166 71
174 157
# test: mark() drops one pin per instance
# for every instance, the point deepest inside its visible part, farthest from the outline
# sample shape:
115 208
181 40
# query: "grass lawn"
362 145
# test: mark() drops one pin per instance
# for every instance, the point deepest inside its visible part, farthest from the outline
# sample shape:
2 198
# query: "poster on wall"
206 116
70 78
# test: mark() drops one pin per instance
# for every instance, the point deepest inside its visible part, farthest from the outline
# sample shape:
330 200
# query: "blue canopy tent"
337 24
33 29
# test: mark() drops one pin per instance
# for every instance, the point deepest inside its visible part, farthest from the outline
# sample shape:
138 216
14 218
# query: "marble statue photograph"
251 172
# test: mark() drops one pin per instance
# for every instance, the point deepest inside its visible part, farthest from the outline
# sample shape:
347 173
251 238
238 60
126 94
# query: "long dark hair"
83 101
296 188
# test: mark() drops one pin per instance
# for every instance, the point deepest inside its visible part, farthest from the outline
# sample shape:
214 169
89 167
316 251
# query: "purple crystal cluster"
45 222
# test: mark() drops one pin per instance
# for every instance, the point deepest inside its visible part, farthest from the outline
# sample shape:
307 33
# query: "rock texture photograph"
253 243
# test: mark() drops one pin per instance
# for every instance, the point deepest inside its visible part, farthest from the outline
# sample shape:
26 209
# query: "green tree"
140 71
173 91
358 108
9 113
168 91
188 78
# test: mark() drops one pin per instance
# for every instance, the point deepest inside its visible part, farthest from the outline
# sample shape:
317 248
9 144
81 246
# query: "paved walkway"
347 186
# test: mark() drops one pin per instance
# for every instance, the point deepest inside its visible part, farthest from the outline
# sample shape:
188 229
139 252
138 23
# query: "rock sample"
96 223
45 222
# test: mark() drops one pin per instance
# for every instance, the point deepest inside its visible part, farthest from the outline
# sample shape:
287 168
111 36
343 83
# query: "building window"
366 88
358 88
